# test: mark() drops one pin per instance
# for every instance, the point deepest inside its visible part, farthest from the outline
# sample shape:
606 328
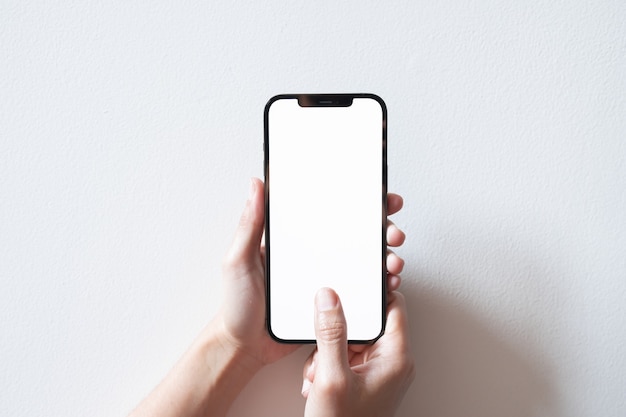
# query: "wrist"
205 381
214 372
222 352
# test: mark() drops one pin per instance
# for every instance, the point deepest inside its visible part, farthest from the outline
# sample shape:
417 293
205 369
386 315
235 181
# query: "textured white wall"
128 132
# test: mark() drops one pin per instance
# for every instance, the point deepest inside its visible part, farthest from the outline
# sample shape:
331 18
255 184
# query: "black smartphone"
325 211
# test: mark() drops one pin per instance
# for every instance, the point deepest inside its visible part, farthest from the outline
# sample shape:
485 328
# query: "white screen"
325 215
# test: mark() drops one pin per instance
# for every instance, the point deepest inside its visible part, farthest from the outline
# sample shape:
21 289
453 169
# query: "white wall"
128 132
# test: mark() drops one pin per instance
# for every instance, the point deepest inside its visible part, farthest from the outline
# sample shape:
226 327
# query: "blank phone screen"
325 219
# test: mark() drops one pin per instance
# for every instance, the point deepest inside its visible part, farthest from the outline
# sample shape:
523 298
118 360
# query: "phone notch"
325 100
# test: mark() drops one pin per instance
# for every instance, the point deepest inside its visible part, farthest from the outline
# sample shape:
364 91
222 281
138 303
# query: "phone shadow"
465 369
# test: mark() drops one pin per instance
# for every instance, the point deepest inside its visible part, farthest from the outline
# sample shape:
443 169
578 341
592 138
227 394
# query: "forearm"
204 382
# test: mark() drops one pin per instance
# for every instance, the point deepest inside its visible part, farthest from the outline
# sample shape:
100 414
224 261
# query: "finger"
263 241
308 374
306 387
245 245
394 203
393 282
397 321
395 343
395 236
395 264
331 335
308 371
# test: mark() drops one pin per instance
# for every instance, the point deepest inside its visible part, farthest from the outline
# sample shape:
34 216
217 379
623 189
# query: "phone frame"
325 100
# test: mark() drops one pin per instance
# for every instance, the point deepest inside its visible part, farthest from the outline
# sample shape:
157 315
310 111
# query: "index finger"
394 203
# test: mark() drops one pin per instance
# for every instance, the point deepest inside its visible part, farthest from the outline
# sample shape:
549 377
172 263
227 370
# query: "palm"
245 320
270 350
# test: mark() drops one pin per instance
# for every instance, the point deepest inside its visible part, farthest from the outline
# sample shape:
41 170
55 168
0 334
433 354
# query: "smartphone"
325 211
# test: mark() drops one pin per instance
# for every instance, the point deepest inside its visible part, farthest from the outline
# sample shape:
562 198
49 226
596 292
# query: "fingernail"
326 299
306 386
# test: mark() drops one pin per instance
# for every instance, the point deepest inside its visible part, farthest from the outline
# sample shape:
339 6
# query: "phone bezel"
324 100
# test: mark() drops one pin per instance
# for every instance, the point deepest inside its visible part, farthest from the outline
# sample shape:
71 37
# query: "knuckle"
331 330
400 297
336 385
229 261
410 369
405 367
234 259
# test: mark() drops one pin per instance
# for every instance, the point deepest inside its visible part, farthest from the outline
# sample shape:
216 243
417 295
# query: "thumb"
331 334
247 238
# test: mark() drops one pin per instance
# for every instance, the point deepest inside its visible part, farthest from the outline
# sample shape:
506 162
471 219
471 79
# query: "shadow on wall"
464 369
